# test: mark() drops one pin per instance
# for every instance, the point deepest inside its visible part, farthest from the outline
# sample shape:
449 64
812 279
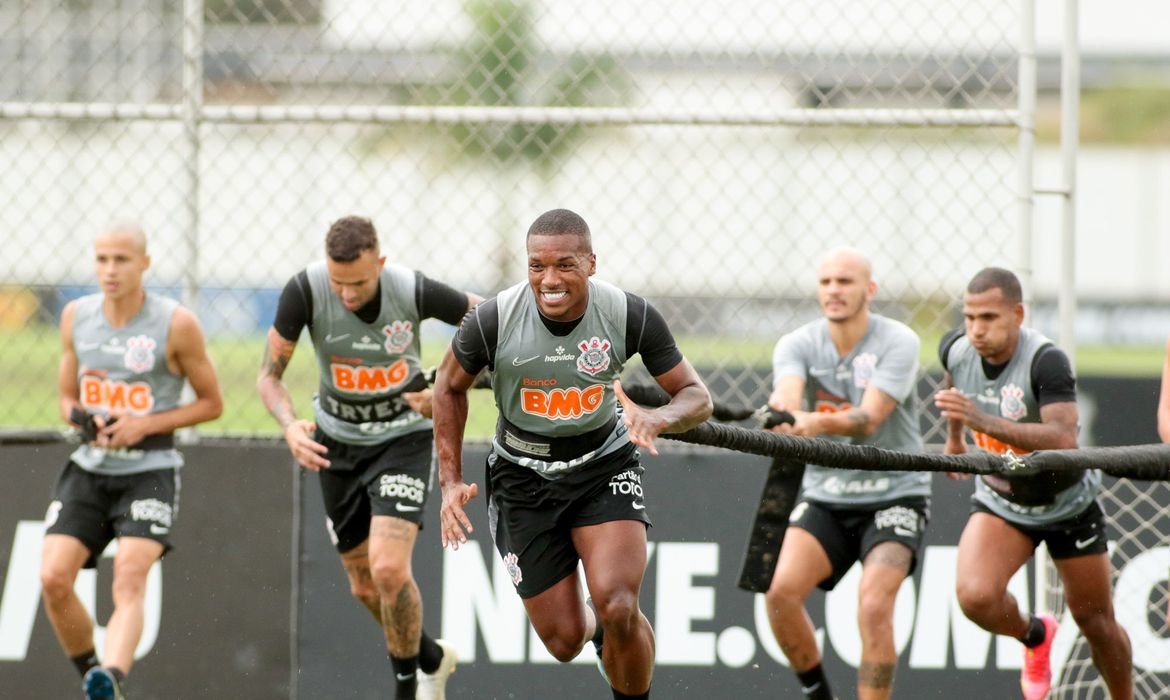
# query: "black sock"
405 677
1034 637
118 674
430 654
619 695
84 662
598 638
814 685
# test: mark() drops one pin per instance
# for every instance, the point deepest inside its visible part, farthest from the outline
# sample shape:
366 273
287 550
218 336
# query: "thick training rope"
1144 462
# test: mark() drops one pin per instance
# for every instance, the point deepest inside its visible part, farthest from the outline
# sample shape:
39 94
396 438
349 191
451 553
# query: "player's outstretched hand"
454 525
643 424
309 453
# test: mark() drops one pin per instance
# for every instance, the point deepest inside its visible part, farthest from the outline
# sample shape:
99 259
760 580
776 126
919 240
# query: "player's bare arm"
186 356
856 421
450 415
1056 430
690 404
68 390
298 434
422 402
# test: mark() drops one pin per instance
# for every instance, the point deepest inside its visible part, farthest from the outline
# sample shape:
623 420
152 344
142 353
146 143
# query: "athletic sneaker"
433 686
100 684
1036 676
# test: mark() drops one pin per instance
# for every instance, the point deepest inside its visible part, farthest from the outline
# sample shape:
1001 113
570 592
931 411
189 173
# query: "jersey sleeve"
1052 377
896 372
648 335
435 299
476 338
944 345
790 356
294 310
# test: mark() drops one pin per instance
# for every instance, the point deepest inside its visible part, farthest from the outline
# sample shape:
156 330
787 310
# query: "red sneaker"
1036 676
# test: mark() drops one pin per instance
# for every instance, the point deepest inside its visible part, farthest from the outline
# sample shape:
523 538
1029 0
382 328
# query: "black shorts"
96 508
848 534
1083 533
531 518
362 481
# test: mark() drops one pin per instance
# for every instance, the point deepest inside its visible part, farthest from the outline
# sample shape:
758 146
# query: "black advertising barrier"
218 606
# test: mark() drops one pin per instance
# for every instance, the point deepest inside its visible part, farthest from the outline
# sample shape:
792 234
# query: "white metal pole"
1070 105
1026 100
190 111
1026 195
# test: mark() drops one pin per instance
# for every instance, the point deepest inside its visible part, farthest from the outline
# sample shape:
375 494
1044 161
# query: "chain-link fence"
716 152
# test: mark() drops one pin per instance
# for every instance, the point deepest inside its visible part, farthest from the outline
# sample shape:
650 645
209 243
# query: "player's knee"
1098 626
562 647
129 585
389 575
975 600
875 612
616 610
56 584
782 598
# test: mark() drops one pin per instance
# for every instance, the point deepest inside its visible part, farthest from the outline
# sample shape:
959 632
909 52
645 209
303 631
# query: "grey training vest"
1010 396
886 357
555 393
364 368
125 370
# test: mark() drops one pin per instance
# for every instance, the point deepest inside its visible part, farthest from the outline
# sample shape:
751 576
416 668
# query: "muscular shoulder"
184 327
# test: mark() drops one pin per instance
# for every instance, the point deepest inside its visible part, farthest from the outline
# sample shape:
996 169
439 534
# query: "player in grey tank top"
550 396
849 376
125 357
370 439
1014 391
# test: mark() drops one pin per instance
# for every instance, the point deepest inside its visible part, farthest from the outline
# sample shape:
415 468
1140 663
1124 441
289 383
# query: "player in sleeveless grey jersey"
125 356
564 483
370 440
1012 389
851 377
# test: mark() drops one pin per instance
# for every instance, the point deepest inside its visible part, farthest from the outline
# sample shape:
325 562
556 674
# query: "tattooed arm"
298 433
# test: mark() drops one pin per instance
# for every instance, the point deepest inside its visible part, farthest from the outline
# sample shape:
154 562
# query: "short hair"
129 229
990 278
349 237
562 222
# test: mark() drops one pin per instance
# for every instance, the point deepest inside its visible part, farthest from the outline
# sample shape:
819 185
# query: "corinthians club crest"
594 357
398 336
139 355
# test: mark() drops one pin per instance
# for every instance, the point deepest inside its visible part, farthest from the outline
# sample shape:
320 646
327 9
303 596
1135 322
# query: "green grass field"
28 370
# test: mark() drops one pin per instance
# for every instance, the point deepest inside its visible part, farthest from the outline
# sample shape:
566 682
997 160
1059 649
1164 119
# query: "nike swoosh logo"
330 338
1081 544
638 506
810 688
405 508
903 532
516 361
159 530
404 676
